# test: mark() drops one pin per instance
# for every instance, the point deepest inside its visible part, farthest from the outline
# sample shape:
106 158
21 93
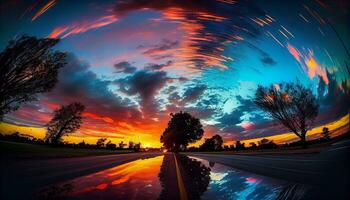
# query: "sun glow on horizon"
6 128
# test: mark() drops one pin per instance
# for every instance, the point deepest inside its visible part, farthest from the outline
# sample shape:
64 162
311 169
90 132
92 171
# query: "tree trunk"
303 139
57 136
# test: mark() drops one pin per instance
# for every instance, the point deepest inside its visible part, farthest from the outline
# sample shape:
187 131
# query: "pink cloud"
81 27
247 125
308 63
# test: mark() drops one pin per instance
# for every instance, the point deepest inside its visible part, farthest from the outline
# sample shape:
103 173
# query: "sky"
132 63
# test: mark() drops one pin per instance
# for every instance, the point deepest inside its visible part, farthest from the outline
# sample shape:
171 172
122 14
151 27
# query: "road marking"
341 142
339 148
180 183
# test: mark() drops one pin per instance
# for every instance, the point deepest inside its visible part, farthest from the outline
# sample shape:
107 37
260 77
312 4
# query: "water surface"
143 179
229 183
133 180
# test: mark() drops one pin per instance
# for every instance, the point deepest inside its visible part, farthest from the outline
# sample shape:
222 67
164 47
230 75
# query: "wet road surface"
170 176
28 175
163 177
327 172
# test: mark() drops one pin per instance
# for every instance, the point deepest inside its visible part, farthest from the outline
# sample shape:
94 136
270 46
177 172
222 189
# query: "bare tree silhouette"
28 66
292 104
66 120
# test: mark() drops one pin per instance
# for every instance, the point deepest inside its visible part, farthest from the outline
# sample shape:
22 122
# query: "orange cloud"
188 51
58 31
42 10
308 63
94 116
81 27
315 69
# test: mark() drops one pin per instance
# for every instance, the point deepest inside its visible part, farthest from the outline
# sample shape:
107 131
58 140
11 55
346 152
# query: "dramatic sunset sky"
132 63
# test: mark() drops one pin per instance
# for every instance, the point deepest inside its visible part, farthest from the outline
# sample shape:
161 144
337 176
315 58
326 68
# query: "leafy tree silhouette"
326 133
182 129
67 119
121 145
212 144
252 145
291 104
28 66
196 178
110 145
101 142
239 145
266 144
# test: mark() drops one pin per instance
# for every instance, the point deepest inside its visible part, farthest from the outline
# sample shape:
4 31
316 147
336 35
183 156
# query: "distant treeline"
23 138
101 143
215 143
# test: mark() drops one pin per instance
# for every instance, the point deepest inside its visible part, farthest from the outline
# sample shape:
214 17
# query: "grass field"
23 150
283 151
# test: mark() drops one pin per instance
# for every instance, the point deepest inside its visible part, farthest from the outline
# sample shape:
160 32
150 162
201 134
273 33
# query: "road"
327 171
20 178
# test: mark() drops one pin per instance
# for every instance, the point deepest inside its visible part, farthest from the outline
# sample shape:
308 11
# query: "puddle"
143 179
229 183
133 180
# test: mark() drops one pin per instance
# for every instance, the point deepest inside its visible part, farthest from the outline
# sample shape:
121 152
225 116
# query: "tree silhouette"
131 145
239 145
263 141
137 147
182 129
101 142
66 120
196 176
266 144
212 144
28 66
121 145
110 145
326 133
82 144
292 104
252 145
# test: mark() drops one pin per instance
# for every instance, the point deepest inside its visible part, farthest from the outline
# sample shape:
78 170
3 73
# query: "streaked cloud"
81 27
308 63
208 27
45 8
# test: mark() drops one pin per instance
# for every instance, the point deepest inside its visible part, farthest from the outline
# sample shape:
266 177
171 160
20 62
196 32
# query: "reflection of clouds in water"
234 185
134 180
217 177
227 183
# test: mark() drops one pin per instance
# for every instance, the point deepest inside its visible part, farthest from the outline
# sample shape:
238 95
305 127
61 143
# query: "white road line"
339 148
341 142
